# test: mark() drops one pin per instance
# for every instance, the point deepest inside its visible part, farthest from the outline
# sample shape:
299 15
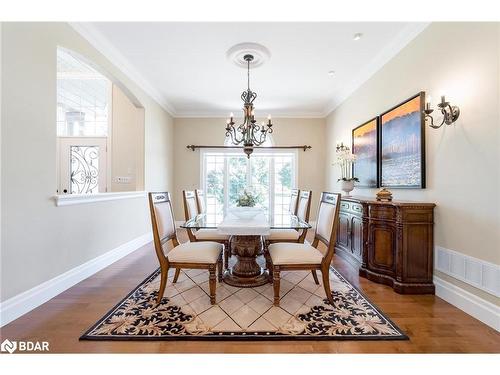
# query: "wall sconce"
341 147
450 112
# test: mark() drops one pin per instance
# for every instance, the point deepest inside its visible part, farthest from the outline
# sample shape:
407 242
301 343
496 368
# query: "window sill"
72 199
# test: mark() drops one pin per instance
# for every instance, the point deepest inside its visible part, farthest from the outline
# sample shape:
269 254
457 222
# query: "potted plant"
247 199
245 205
345 160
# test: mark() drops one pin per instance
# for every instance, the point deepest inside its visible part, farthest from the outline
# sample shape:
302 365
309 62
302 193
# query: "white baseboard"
475 306
21 304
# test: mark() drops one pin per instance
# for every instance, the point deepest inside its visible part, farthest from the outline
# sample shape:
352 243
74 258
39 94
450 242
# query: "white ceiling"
184 65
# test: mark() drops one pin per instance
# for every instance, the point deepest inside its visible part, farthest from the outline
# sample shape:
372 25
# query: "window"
83 106
83 98
269 174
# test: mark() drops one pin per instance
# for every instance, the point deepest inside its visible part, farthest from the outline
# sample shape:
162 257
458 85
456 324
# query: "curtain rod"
304 147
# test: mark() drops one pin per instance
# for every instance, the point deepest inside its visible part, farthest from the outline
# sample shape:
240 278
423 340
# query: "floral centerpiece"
345 160
246 205
247 199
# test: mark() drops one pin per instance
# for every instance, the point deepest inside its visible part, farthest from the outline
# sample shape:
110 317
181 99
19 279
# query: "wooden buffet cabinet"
391 242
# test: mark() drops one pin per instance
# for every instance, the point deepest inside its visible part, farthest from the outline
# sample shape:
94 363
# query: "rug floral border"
244 336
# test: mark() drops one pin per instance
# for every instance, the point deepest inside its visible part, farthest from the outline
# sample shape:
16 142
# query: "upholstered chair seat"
210 235
283 234
195 252
294 253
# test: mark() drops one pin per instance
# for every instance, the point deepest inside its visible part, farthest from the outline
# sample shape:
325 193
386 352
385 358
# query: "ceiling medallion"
248 133
236 54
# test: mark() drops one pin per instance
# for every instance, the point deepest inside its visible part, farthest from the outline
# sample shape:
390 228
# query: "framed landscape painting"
402 145
365 147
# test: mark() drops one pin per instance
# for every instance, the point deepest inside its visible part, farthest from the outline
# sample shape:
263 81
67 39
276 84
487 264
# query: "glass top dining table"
246 242
285 221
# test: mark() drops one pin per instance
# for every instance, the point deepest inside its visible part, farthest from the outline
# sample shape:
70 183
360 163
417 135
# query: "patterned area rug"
244 313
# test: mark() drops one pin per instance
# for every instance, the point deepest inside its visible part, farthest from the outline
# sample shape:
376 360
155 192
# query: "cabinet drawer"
382 212
351 208
344 206
357 208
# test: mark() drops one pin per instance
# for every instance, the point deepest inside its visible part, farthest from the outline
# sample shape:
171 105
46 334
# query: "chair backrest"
326 225
162 220
294 199
190 205
304 205
200 200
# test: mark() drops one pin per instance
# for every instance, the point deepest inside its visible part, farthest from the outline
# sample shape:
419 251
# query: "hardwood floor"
433 325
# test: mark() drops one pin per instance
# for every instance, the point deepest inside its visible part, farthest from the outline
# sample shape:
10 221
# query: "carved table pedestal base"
246 273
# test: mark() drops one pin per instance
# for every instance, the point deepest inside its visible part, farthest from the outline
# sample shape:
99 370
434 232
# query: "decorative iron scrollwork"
84 169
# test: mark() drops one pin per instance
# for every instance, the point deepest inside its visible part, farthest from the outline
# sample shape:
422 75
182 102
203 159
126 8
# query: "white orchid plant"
345 160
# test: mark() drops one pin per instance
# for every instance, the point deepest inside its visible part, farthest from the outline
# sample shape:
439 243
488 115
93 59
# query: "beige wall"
159 163
463 159
127 149
210 131
40 240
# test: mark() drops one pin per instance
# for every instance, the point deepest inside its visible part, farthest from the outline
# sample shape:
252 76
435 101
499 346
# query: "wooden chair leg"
326 284
163 284
227 250
212 283
276 285
176 275
269 265
219 268
315 277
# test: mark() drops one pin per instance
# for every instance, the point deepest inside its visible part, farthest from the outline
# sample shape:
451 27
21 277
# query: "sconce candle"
428 103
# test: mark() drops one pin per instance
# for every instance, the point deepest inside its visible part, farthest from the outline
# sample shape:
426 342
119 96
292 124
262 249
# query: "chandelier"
248 133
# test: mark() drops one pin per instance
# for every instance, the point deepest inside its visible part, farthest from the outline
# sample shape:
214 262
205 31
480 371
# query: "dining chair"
191 210
286 256
190 255
294 199
200 200
302 210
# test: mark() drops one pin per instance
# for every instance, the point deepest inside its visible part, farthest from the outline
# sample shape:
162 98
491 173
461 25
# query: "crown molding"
108 50
409 33
218 114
